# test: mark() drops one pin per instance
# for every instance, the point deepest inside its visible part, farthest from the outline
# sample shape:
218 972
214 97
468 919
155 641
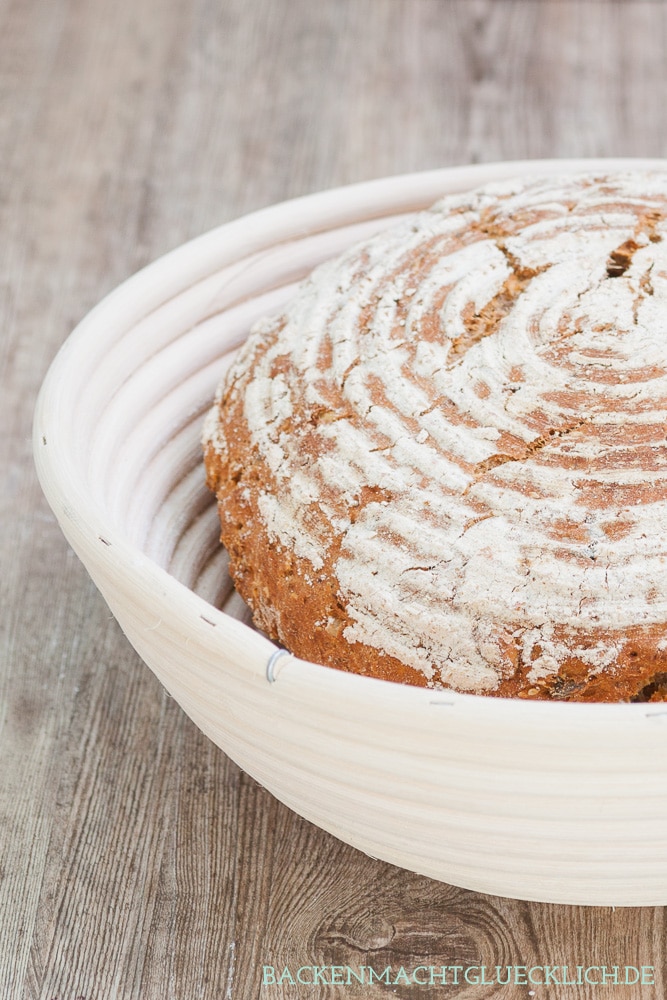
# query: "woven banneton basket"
545 801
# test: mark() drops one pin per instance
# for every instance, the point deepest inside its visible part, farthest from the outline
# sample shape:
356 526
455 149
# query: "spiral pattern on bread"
446 462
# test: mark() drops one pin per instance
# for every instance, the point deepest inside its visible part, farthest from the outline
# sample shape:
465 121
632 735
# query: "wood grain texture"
137 861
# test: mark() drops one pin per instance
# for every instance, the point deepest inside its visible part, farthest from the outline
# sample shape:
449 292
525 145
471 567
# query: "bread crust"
446 464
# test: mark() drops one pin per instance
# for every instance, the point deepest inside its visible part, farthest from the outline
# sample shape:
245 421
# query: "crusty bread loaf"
446 462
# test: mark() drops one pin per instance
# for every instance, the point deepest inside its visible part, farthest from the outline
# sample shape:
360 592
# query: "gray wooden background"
136 861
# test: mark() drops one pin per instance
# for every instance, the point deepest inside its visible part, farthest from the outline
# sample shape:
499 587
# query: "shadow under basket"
544 801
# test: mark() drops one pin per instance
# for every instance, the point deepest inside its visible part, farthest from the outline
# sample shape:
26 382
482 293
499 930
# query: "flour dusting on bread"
446 462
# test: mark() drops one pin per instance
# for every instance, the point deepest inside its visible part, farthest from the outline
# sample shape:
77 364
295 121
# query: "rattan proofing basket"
553 802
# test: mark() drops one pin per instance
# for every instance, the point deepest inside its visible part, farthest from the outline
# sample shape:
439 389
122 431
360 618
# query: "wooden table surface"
136 860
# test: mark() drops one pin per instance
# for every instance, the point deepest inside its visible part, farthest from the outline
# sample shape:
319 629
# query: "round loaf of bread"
445 463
